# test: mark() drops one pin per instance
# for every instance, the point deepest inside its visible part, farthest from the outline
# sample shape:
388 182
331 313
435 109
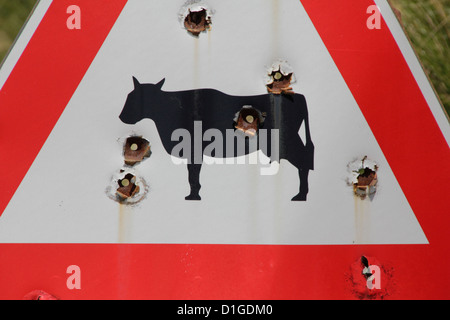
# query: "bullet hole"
280 84
127 187
39 295
364 261
249 120
366 271
364 177
195 17
279 78
370 279
197 22
135 150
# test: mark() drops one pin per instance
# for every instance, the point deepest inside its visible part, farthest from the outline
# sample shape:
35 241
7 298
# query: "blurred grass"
13 14
426 23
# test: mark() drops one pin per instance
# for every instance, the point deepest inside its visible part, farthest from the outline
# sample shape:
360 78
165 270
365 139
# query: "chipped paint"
278 65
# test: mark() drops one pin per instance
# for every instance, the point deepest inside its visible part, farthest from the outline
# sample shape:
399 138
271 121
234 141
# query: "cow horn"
136 82
160 84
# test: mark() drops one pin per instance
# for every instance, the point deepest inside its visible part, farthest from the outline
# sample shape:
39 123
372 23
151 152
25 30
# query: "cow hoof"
193 197
299 197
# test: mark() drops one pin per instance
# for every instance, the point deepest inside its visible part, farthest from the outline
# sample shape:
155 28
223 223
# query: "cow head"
140 101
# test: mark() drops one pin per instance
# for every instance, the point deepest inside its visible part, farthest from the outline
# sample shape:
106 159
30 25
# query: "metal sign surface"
352 104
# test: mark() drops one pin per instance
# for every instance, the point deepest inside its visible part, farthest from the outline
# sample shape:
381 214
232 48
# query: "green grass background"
13 14
426 22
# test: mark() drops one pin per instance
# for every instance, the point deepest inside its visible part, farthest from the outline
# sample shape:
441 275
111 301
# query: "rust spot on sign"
364 177
367 180
281 83
127 187
248 120
135 150
279 78
197 21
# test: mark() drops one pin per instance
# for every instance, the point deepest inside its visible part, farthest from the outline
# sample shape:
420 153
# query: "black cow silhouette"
216 110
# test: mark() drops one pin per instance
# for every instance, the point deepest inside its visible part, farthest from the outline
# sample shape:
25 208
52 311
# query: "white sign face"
65 196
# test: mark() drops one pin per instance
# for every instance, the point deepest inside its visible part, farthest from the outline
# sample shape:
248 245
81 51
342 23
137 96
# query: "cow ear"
160 84
136 82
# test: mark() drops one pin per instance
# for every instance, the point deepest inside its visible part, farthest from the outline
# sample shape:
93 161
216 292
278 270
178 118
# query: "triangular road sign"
79 82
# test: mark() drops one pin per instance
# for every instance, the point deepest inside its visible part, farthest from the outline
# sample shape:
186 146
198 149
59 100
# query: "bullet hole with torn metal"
281 83
249 120
364 177
367 180
196 17
279 78
135 150
127 187
369 279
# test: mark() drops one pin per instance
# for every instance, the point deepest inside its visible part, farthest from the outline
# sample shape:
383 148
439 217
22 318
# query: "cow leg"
304 188
294 156
194 181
